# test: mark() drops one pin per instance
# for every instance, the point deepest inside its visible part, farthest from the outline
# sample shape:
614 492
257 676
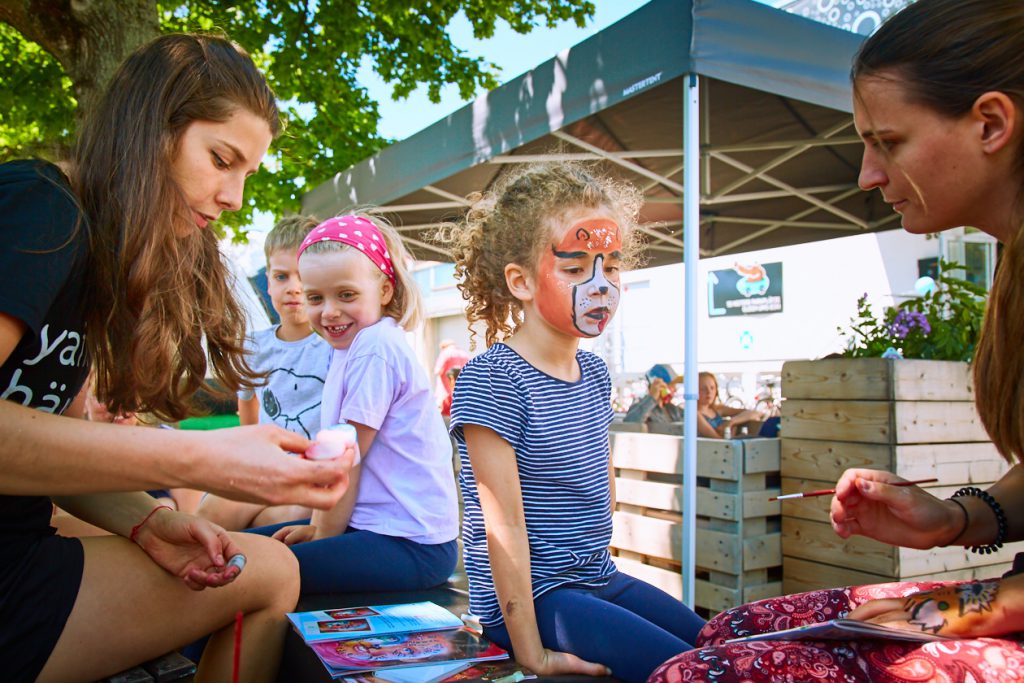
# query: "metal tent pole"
691 253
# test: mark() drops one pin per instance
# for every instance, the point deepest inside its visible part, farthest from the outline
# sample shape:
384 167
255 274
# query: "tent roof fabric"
779 154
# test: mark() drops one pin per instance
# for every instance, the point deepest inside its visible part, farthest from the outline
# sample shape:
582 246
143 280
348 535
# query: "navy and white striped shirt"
559 431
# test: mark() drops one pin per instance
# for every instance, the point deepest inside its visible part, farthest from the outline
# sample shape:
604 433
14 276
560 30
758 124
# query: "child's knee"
272 569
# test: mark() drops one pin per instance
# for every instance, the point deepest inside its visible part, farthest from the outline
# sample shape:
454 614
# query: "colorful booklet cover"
844 629
377 653
427 673
376 620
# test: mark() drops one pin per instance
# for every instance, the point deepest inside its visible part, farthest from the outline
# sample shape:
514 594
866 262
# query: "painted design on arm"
949 609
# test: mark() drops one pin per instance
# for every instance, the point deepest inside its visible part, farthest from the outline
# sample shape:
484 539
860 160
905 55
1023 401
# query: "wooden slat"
882 422
649 452
877 379
962 463
862 421
663 454
627 427
840 378
761 455
649 494
817 542
828 459
757 504
932 380
655 537
938 560
802 575
762 551
936 422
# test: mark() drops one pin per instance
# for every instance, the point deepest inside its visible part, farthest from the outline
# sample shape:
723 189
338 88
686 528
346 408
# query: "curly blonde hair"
510 223
406 305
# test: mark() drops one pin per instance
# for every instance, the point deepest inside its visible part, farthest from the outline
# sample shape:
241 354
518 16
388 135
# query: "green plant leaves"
954 312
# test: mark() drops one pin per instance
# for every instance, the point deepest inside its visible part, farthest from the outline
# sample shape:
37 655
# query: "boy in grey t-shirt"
295 360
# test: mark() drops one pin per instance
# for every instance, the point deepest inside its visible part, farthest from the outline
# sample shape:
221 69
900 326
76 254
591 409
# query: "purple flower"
905 321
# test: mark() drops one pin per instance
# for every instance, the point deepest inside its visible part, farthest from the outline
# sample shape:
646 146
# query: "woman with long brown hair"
939 103
114 266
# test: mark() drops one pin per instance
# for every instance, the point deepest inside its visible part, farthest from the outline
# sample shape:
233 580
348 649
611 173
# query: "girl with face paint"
539 259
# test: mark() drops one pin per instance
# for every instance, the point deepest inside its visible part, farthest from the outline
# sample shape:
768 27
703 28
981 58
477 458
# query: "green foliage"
944 324
311 53
36 103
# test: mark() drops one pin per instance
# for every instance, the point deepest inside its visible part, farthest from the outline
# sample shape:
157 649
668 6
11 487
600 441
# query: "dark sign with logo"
745 289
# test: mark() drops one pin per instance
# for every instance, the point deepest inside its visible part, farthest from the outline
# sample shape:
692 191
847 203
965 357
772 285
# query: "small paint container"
332 442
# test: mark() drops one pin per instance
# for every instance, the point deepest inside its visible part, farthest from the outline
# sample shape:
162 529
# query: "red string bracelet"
135 529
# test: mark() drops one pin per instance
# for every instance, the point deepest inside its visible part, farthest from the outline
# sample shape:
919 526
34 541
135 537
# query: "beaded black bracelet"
997 510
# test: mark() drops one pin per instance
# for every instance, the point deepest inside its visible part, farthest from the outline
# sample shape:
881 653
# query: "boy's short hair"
288 233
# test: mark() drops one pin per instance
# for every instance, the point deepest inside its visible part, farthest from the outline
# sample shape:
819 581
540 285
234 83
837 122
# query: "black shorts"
39 581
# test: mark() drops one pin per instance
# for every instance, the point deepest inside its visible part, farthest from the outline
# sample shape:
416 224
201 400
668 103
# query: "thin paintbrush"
829 492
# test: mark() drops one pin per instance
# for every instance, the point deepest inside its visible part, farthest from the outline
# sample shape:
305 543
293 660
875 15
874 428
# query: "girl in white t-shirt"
396 526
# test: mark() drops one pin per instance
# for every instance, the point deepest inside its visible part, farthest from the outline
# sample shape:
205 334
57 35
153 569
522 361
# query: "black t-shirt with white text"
43 250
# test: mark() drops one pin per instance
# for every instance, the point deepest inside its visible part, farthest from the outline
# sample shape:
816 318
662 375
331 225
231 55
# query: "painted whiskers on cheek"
594 301
574 307
947 609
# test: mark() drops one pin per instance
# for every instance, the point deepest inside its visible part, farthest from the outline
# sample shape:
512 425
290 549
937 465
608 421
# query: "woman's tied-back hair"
406 305
511 223
945 54
156 284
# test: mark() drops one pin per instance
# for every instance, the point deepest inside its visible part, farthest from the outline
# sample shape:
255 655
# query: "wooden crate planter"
739 552
914 418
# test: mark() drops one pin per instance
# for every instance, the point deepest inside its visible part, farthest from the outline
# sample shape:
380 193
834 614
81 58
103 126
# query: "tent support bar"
798 193
426 206
447 195
782 144
660 236
779 160
775 226
636 168
426 245
584 156
691 253
770 194
815 225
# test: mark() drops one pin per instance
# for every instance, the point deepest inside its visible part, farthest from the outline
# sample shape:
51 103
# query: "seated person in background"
713 416
294 360
657 405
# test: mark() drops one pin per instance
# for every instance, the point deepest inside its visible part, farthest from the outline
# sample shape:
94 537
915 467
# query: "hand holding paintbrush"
829 492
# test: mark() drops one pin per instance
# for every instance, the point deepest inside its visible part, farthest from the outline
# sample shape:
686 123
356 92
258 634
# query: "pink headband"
356 232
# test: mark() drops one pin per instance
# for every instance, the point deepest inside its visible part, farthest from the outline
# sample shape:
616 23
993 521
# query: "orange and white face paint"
578 278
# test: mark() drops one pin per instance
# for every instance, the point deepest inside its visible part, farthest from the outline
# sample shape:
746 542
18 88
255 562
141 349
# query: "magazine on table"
345 658
844 629
375 620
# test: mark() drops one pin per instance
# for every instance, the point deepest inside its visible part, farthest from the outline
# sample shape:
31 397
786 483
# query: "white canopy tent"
761 96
